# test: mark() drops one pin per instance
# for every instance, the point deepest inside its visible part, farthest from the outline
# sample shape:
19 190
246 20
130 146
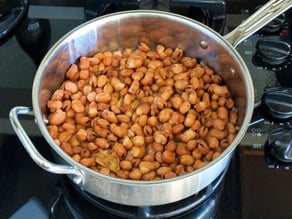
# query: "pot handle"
33 152
256 21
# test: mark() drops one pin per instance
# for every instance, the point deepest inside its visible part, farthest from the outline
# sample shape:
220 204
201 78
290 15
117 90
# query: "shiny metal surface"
32 151
280 144
278 103
126 29
259 19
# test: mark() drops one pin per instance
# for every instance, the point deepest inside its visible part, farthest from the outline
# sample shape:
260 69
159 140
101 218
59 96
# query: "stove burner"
211 13
80 204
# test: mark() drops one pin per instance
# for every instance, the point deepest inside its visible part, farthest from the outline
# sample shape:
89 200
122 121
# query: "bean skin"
168 157
187 160
77 106
70 86
126 165
135 174
57 117
142 114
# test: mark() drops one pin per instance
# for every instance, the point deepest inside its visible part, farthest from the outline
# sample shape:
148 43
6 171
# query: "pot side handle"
33 152
257 20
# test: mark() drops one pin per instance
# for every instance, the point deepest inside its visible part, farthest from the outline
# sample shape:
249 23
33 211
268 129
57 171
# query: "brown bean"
188 135
77 106
176 101
217 133
222 113
119 149
189 62
102 97
81 135
138 140
178 128
91 146
149 157
187 159
87 161
159 137
82 120
160 113
76 157
196 153
181 84
105 171
102 143
53 131
119 130
149 176
164 115
198 164
127 142
67 148
213 142
170 146
135 174
184 107
190 119
123 174
146 167
169 175
219 124
126 165
54 105
133 89
109 116
166 92
168 156
85 153
57 117
123 118
137 151
72 72
70 87
98 131
143 109
181 149
162 171
117 84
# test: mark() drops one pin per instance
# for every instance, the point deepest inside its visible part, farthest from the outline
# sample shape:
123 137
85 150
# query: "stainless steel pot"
125 29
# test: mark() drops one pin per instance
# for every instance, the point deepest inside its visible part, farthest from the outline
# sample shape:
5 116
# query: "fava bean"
142 114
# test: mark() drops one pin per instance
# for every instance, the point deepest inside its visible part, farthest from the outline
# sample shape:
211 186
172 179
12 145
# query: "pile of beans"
142 114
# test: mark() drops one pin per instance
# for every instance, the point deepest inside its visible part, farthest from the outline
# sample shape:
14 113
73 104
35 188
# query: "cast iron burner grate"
80 204
210 12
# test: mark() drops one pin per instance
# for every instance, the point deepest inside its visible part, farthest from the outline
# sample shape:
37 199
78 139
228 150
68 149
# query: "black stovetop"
250 189
27 191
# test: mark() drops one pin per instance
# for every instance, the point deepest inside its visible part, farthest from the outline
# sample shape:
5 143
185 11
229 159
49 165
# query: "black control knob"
272 52
279 144
275 25
278 147
278 103
12 13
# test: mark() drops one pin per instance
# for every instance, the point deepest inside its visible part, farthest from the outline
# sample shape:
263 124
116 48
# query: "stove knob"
275 25
272 52
12 13
278 103
279 144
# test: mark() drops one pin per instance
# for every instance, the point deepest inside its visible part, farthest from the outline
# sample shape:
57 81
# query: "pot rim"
40 119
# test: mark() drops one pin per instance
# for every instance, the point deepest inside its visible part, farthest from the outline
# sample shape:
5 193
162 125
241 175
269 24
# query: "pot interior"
127 29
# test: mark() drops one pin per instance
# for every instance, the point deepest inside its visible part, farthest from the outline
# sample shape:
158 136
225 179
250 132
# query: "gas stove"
257 182
38 194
